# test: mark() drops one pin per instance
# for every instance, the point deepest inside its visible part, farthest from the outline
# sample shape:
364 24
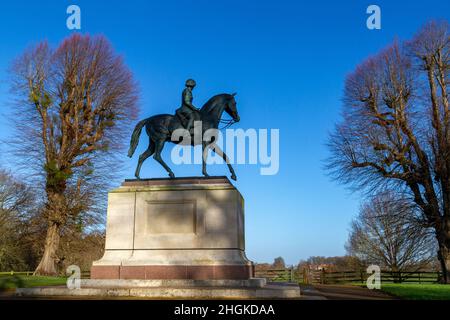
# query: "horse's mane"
213 101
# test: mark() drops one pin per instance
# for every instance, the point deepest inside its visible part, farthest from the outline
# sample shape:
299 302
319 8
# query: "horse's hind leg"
147 153
222 154
159 145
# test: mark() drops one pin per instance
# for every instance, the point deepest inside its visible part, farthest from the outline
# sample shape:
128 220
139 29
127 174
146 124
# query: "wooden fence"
386 276
280 275
84 274
16 273
336 277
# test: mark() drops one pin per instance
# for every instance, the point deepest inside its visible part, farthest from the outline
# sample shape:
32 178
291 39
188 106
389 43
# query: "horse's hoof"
205 174
233 176
137 177
171 175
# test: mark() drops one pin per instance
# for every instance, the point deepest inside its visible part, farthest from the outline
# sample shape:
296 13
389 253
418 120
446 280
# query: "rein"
227 123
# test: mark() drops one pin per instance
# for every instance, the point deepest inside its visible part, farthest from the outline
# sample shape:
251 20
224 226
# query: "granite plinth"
183 228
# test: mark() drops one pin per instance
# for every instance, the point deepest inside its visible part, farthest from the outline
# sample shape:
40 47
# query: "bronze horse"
160 127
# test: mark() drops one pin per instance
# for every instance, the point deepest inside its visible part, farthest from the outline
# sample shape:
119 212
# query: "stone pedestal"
183 228
173 239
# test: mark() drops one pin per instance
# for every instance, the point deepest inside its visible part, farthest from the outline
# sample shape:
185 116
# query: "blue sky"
286 59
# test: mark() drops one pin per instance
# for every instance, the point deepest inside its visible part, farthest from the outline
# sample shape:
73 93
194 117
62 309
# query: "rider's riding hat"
190 83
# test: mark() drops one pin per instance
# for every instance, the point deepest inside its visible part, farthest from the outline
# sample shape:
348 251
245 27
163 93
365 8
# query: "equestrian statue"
160 128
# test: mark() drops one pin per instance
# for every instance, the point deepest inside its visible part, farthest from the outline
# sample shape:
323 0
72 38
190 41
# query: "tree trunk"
47 266
444 259
396 274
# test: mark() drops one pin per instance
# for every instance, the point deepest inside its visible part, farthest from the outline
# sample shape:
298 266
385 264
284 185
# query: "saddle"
183 119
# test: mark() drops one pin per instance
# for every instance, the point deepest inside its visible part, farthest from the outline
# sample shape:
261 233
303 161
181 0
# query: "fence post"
305 276
419 277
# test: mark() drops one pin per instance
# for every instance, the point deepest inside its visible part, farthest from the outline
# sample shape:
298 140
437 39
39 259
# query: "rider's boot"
189 124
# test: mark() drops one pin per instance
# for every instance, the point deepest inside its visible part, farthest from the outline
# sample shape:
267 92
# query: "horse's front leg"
222 154
159 145
205 148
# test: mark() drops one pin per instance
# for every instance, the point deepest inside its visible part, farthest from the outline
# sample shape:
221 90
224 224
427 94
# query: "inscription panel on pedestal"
164 217
188 219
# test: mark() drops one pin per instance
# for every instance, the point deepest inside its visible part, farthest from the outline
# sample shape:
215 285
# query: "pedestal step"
269 291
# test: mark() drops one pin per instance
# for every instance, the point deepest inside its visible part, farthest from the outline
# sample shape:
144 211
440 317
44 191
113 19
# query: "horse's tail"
135 136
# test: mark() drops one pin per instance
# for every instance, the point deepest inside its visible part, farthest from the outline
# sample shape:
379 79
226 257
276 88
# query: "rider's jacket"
186 101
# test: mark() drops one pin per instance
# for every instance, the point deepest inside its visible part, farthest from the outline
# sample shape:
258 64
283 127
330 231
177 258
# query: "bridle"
226 123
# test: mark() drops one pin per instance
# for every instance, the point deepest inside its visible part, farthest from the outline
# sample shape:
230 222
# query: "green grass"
14 281
412 291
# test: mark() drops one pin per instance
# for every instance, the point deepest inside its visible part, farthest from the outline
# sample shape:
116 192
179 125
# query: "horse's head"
220 103
230 107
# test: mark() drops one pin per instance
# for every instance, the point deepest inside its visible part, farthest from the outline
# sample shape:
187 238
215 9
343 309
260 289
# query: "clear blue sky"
286 59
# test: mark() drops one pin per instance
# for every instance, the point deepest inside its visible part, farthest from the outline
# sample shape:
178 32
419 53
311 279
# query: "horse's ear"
234 93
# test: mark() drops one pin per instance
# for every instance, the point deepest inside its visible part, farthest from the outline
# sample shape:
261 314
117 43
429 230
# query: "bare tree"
386 233
396 128
81 249
75 105
338 263
279 263
16 207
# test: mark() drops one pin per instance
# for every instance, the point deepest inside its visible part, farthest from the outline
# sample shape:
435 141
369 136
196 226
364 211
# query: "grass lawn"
414 291
417 291
9 282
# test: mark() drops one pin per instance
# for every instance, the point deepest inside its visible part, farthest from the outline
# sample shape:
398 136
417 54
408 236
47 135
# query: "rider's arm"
188 100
